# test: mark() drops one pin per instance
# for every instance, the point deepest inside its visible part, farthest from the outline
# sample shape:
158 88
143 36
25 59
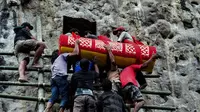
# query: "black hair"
86 32
84 64
54 55
74 30
107 34
107 85
26 24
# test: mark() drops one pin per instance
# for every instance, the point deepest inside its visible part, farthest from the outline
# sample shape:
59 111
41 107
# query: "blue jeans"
59 86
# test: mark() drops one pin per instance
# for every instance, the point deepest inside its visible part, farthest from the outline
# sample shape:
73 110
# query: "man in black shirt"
82 86
24 42
110 101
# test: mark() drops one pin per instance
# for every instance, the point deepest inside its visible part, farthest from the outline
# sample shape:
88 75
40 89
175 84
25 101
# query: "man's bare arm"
33 37
111 56
96 68
145 64
76 49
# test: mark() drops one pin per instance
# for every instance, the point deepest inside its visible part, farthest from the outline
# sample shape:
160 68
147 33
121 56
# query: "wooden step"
28 98
48 70
29 69
12 54
155 107
10 83
156 92
48 85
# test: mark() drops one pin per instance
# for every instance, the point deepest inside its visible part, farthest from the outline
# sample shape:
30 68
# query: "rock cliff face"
173 26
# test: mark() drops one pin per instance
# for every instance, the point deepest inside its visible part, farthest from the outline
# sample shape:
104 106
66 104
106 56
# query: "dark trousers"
59 86
84 103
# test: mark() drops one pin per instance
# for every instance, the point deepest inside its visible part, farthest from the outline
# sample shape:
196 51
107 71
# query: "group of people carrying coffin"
118 86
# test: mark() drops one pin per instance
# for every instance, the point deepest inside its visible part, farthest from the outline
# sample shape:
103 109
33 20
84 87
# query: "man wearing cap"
122 34
24 42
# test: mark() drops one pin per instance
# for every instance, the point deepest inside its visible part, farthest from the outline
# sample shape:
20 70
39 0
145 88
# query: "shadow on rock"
2 61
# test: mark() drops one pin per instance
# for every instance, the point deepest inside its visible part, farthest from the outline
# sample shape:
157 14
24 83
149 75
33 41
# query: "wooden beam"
48 70
24 84
154 107
12 54
156 92
28 98
29 69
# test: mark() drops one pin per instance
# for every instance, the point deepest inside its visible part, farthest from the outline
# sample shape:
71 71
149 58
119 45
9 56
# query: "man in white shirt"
122 34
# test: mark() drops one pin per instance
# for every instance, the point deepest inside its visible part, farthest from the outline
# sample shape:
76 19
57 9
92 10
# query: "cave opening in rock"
187 25
25 2
198 91
194 3
79 23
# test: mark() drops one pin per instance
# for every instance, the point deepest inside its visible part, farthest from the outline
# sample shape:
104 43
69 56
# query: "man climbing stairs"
40 84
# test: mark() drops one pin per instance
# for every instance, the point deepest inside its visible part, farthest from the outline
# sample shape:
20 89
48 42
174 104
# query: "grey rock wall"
173 26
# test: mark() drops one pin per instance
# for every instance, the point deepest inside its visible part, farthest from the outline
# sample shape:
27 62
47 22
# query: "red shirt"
128 75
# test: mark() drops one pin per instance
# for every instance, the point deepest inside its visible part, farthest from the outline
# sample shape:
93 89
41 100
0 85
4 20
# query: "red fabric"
138 50
128 75
75 35
105 39
126 50
127 41
121 28
138 56
135 41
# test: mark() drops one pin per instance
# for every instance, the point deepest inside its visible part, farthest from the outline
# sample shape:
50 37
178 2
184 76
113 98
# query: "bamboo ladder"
41 85
41 98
